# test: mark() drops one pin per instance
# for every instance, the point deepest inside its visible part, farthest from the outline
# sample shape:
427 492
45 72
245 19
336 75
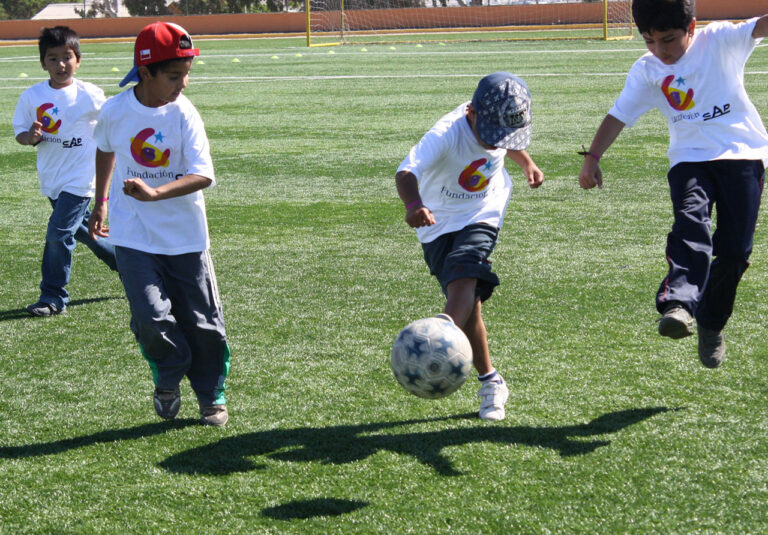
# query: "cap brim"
132 76
513 139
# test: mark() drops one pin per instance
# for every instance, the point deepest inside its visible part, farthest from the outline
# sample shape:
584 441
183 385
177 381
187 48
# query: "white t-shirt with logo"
459 181
66 154
702 95
158 145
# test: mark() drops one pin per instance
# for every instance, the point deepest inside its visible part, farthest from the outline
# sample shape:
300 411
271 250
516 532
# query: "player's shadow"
102 437
312 508
346 444
21 313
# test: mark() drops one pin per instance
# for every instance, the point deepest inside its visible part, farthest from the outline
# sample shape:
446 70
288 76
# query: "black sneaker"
42 310
167 403
711 347
215 415
676 322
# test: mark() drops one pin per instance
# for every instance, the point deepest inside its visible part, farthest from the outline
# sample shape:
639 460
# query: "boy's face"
61 64
669 45
167 84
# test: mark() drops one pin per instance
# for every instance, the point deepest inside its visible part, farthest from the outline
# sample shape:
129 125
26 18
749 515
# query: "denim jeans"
68 222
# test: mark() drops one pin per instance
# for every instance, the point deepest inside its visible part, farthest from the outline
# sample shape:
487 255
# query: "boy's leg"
689 245
56 268
493 390
461 264
738 202
197 307
161 339
465 308
102 248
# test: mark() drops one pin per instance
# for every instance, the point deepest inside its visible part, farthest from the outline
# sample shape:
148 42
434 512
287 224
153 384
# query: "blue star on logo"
55 111
488 165
159 136
680 81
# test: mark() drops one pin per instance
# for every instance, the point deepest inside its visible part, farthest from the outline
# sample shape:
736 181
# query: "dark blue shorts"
464 255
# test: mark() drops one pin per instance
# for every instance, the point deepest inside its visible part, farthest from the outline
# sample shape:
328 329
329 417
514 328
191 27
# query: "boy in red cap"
154 139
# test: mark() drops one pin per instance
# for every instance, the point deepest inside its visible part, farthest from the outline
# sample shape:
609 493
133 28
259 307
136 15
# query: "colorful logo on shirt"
471 179
676 98
145 153
50 125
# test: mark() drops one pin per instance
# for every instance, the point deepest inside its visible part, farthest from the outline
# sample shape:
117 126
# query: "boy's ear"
692 27
144 73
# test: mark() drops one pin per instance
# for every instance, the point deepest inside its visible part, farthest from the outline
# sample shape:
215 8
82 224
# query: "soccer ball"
431 357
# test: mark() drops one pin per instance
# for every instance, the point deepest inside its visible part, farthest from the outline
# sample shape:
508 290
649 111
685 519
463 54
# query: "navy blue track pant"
708 287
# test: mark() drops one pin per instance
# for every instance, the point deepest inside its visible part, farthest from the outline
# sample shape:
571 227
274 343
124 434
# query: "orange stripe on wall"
277 23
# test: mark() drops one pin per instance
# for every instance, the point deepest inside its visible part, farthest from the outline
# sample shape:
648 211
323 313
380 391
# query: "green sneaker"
676 322
167 403
711 347
215 415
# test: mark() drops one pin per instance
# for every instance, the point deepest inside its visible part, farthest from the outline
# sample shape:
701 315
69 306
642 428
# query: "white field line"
244 79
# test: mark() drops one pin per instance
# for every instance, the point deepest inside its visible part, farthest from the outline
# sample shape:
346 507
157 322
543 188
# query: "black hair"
154 68
58 36
662 15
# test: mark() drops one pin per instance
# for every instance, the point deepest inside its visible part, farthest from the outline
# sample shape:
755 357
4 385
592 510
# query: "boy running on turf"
155 140
717 151
455 190
57 117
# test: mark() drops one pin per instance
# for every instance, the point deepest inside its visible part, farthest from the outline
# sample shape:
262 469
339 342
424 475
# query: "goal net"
364 21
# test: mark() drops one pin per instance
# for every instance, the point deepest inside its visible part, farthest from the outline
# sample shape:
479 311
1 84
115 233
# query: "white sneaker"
493 396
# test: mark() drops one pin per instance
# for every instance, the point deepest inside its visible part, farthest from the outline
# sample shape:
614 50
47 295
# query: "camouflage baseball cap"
503 105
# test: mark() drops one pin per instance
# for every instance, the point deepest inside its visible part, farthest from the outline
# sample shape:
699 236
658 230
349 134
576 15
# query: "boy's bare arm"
532 173
416 214
138 189
105 163
33 136
761 27
609 130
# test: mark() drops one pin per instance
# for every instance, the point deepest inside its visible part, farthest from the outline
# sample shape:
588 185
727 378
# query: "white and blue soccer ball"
431 357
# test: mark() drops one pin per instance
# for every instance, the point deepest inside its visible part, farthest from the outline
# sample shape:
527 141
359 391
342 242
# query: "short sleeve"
424 154
22 117
633 101
196 148
101 132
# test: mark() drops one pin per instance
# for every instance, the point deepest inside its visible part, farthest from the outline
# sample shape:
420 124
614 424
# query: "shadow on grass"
311 508
113 435
346 444
21 313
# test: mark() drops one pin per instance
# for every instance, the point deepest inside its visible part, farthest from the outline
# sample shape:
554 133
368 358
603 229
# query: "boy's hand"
533 175
419 216
35 133
590 175
139 190
96 223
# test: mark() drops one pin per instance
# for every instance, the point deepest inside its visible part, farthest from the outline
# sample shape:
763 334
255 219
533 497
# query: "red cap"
157 42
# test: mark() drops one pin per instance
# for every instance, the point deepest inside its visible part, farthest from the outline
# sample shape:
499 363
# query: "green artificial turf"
609 428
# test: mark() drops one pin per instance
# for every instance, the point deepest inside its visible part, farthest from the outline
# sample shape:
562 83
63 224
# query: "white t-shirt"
459 181
158 145
65 156
702 95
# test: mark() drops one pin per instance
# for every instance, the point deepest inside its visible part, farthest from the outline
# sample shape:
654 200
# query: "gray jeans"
177 319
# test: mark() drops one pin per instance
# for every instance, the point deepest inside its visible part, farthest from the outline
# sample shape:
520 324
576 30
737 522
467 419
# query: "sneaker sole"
672 328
